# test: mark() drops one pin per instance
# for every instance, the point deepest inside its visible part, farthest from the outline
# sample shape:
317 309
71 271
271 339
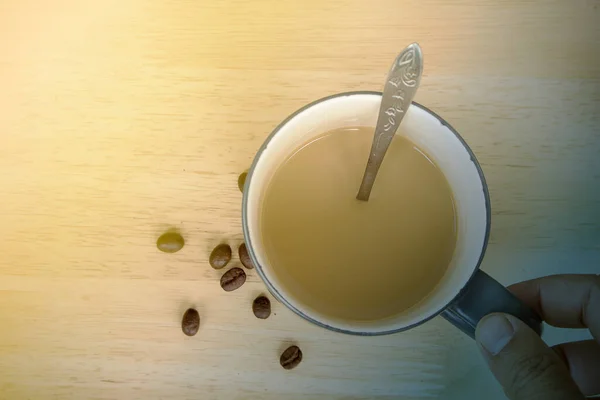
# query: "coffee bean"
242 181
291 357
233 279
261 307
245 257
220 256
190 322
170 242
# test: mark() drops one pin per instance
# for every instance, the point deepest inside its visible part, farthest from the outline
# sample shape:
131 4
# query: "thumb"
526 368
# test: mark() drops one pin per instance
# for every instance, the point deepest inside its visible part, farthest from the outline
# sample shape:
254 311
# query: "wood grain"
122 119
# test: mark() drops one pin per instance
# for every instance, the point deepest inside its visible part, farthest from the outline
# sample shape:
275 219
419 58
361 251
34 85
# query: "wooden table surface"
120 119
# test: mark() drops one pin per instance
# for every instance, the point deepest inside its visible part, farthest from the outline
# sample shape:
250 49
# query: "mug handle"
484 295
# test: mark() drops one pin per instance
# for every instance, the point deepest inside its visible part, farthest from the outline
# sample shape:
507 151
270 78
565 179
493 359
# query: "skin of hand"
523 364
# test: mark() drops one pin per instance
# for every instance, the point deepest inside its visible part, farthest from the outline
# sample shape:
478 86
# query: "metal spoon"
400 88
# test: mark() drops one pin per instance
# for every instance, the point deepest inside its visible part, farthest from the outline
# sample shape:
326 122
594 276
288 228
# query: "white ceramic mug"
465 294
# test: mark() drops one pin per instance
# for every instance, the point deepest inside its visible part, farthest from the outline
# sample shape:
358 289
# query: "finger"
568 301
583 360
526 368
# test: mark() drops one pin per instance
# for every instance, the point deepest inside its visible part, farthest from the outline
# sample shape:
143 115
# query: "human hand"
523 364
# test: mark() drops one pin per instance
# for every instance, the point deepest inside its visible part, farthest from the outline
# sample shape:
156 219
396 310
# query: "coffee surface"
354 260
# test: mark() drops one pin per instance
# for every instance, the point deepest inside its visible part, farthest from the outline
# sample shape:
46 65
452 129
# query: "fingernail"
494 332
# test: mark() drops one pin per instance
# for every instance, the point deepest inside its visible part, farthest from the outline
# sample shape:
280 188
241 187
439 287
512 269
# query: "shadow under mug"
464 294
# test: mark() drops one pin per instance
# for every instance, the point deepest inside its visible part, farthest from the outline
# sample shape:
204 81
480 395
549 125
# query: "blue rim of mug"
282 298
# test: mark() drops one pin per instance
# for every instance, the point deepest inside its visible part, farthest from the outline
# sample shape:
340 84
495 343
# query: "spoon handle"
400 88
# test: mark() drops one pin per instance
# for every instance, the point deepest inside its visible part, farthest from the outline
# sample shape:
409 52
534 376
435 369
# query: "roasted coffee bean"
233 279
242 181
170 242
245 257
261 307
291 357
220 256
190 322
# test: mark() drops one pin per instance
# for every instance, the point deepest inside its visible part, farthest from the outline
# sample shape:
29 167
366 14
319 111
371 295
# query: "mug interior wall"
433 137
